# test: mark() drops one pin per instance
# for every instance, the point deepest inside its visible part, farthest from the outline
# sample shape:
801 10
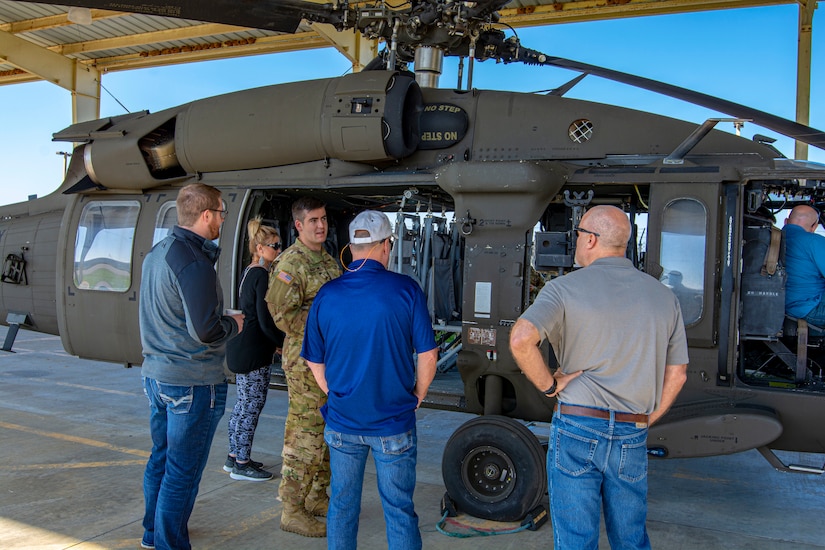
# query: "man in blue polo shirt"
805 262
362 331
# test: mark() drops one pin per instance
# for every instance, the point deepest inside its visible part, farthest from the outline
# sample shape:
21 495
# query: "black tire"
494 468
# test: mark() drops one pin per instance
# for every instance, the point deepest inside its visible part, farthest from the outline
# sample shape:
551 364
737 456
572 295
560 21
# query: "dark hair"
304 205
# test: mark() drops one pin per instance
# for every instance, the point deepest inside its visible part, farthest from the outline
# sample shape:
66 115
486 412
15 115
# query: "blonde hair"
259 234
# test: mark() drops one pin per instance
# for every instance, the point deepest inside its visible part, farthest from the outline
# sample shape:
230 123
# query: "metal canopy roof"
112 41
118 41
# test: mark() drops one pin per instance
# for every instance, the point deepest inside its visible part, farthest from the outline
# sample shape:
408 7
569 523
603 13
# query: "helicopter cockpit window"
103 247
684 233
167 218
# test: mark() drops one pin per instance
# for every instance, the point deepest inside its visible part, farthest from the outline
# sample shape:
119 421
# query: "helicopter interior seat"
763 296
763 283
763 300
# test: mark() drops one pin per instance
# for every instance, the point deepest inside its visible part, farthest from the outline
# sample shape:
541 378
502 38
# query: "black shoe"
249 472
230 463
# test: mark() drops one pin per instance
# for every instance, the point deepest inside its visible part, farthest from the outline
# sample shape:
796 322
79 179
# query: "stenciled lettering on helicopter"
763 293
482 336
730 242
506 223
717 438
442 125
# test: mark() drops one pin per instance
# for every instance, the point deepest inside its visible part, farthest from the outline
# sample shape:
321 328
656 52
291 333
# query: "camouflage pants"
305 470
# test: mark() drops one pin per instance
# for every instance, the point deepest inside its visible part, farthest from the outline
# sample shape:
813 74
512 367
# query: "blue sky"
746 56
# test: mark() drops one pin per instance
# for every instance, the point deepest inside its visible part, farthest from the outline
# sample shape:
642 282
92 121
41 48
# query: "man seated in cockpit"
690 300
805 264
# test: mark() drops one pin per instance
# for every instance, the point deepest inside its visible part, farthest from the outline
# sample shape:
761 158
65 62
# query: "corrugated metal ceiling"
48 26
118 41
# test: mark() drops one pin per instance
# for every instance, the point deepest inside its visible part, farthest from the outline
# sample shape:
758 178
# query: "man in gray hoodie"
184 334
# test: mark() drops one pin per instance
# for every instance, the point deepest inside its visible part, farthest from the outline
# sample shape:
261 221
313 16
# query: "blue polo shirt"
805 263
365 327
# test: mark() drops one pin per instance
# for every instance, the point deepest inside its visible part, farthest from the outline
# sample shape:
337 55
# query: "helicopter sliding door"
99 277
682 251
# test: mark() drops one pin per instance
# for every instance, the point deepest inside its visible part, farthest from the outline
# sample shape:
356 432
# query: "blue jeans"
182 421
394 458
594 463
817 316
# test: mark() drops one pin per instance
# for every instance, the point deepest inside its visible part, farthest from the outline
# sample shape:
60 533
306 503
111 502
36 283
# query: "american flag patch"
285 277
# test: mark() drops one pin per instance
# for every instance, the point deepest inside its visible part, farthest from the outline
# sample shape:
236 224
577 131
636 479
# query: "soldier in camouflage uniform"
294 280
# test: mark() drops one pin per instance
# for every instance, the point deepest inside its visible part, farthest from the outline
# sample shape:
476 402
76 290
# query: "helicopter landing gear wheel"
493 468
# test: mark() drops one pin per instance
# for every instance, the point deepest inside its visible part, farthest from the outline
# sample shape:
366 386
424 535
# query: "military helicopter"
485 188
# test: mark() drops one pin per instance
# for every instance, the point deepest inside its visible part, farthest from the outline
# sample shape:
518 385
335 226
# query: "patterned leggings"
252 390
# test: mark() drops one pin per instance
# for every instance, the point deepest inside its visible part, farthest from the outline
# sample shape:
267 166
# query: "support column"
83 81
803 71
352 45
85 93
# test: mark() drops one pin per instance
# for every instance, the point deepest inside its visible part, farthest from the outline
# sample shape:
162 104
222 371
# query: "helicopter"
485 188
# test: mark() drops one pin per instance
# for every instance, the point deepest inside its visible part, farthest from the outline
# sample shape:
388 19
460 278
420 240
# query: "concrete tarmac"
74 441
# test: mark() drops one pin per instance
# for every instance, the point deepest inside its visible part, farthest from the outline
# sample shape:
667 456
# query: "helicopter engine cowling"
372 116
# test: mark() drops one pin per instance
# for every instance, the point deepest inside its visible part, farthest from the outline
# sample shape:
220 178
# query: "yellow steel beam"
53 21
803 71
352 45
131 40
83 81
172 56
592 10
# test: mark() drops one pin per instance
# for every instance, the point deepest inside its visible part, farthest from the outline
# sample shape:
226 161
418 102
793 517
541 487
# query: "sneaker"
249 472
147 545
230 463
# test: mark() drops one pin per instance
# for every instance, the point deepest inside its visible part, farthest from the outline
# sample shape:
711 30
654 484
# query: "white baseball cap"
376 225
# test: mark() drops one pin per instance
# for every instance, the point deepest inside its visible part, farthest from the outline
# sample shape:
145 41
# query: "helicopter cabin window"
167 218
682 254
103 247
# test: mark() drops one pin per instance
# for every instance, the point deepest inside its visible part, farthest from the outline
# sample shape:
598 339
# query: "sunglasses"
274 246
578 229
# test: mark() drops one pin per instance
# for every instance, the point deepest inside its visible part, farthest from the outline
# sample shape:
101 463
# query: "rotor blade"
271 15
789 128
561 90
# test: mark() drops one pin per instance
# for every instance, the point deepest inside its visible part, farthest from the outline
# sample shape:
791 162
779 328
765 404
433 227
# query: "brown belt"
574 410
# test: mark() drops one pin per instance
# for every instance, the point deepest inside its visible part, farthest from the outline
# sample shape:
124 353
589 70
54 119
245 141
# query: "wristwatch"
552 388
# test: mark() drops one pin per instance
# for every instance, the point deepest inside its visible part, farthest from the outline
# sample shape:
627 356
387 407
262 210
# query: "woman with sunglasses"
250 355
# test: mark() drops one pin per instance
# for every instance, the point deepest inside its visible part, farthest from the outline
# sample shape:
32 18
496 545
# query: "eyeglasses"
221 212
274 246
578 229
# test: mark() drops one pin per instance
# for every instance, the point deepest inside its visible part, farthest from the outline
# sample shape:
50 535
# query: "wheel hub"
488 473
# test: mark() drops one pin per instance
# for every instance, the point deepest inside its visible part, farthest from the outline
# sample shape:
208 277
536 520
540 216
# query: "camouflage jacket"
294 280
